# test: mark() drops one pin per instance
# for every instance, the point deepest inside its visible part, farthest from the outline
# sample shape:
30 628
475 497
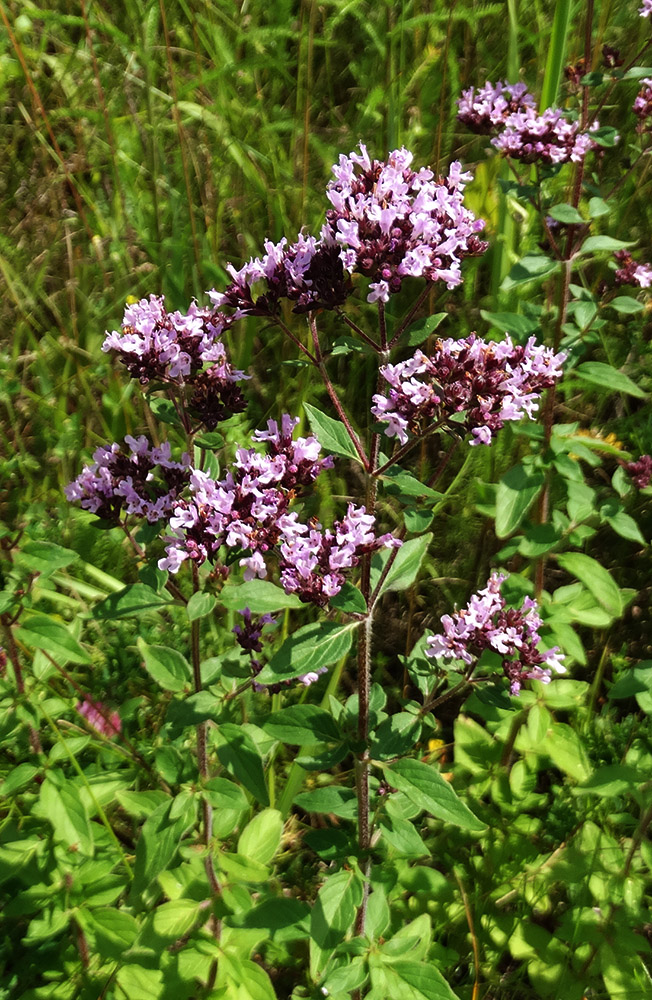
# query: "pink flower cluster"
521 132
390 221
249 508
642 106
314 562
646 9
640 471
486 623
487 109
155 345
548 137
99 717
487 382
308 273
144 481
631 273
249 511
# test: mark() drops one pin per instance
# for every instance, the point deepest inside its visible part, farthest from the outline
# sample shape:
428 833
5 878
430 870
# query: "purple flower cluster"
487 109
642 106
548 137
248 636
521 132
640 471
99 717
144 481
155 345
488 382
486 623
308 273
390 221
249 508
314 562
646 9
630 272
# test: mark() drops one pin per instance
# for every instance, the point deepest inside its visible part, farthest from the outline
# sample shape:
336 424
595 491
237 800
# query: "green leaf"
329 799
403 837
43 632
604 375
633 682
260 596
225 794
44 557
156 847
529 268
349 600
261 838
200 605
417 521
167 666
303 725
164 410
400 483
606 135
246 980
241 869
133 600
18 778
394 736
515 323
598 207
331 434
409 981
421 330
564 746
515 494
63 808
425 787
114 930
595 578
310 648
173 920
405 567
139 983
240 756
625 526
209 440
331 916
566 214
610 780
595 244
626 304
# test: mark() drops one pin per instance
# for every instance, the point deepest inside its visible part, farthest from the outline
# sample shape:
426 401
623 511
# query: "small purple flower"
640 471
144 482
308 273
646 9
99 717
548 138
630 272
485 110
642 106
389 221
488 382
249 508
486 623
314 563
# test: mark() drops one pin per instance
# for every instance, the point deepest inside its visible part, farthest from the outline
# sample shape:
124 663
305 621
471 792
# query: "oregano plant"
292 823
